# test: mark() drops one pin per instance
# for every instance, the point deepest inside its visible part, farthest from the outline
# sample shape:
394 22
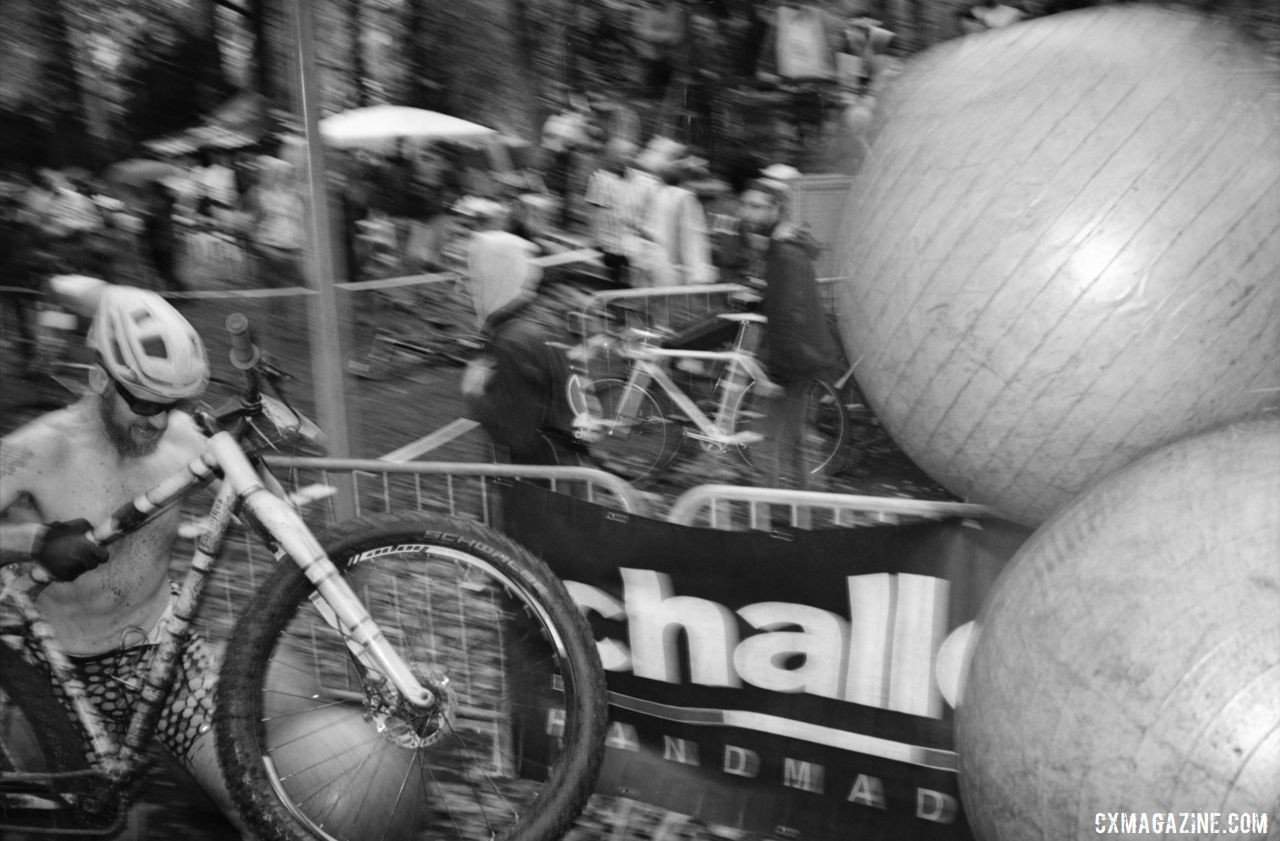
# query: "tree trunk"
422 88
526 56
263 62
60 89
355 32
212 84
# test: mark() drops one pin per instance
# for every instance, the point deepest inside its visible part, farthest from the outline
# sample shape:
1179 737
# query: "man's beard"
129 440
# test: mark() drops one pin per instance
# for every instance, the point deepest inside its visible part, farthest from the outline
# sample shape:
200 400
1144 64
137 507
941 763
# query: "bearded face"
759 212
132 435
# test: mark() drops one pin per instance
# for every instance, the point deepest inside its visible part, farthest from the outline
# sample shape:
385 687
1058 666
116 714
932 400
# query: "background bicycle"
702 384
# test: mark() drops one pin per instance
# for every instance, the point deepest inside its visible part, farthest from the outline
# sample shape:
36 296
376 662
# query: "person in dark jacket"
797 346
19 271
519 390
161 237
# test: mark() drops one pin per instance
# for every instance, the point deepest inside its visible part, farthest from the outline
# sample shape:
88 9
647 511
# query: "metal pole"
326 329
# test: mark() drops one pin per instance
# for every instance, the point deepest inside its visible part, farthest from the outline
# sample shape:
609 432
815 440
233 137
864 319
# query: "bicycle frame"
717 431
285 532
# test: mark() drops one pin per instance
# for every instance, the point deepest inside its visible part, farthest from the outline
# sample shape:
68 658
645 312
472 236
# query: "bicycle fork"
341 607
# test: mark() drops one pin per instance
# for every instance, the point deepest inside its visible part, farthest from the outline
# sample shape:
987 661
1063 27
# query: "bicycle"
418 662
389 352
431 314
638 433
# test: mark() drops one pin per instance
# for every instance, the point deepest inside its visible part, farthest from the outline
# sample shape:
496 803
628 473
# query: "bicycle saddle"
646 335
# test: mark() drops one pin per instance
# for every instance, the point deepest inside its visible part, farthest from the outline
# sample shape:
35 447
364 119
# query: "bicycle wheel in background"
639 440
312 747
826 426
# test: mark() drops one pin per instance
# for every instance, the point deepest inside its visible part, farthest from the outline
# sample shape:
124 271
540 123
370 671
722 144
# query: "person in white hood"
500 264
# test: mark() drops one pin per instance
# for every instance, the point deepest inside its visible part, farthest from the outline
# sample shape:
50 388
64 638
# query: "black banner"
796 683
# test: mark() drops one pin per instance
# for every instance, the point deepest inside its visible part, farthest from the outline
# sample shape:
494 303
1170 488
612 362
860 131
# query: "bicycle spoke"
451 618
472 628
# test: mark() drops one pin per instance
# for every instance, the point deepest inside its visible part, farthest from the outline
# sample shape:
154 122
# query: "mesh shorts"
113 682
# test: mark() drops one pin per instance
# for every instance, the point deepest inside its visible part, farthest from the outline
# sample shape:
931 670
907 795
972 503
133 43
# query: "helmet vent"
155 347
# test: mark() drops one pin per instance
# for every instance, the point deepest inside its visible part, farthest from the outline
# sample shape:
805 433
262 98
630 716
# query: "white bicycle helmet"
148 346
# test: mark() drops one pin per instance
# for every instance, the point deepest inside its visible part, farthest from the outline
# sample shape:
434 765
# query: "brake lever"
268 369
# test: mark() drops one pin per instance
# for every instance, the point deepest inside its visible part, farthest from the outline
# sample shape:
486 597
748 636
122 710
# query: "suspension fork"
341 607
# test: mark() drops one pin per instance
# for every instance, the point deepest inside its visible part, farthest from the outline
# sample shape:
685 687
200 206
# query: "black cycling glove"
66 550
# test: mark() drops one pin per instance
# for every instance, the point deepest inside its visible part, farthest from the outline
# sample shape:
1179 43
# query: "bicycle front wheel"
824 433
317 746
638 440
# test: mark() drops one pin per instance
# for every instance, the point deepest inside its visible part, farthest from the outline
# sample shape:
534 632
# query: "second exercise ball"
1061 252
1128 658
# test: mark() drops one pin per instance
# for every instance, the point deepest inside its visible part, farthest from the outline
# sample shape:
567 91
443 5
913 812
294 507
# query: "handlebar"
248 414
258 370
244 353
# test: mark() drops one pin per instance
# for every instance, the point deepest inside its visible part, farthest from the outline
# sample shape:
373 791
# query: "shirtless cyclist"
71 468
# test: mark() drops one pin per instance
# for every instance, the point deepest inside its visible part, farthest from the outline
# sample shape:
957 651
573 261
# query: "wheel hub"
410 726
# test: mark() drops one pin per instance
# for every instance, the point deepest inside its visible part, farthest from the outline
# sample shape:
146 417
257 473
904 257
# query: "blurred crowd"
149 223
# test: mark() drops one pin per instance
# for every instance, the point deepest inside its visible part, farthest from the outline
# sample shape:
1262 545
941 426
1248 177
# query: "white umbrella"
374 126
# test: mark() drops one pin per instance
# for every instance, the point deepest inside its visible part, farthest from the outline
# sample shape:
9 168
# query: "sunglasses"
144 408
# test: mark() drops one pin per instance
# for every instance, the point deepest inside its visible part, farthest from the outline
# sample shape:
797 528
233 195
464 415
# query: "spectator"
425 219
518 391
709 69
528 205
19 271
277 227
676 228
642 185
277 232
216 196
66 219
724 215
661 28
608 200
158 228
797 344
618 118
560 134
584 160
351 201
751 36
499 262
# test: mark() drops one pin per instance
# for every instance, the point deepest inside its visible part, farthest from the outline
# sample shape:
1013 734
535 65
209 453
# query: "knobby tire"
825 430
296 722
642 446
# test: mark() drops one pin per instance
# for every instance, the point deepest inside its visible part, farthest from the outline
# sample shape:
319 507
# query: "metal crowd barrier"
473 490
467 490
732 507
674 306
829 290
663 306
459 489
